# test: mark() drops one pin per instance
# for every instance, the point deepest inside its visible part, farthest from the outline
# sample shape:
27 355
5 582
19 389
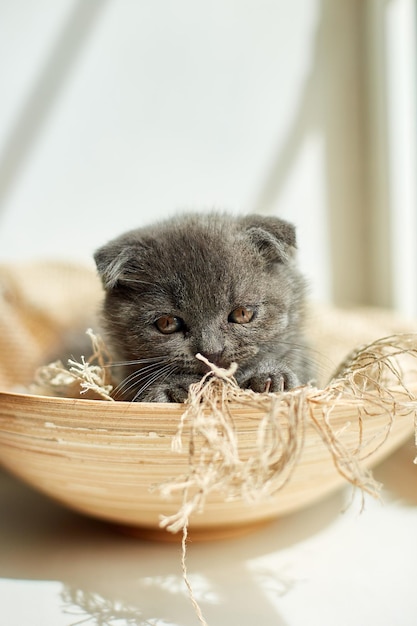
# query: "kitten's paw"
272 379
177 394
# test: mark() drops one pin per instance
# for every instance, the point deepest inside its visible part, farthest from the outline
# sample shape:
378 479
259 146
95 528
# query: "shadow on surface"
398 475
111 578
124 578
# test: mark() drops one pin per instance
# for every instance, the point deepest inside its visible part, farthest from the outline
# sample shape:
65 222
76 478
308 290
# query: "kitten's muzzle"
217 358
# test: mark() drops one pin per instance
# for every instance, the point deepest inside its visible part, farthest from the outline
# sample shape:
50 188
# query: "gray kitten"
226 287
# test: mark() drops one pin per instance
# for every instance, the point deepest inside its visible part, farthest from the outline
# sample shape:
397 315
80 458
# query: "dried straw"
365 382
89 378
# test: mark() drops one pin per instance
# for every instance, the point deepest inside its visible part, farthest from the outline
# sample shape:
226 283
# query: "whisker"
163 373
149 380
137 281
136 361
130 381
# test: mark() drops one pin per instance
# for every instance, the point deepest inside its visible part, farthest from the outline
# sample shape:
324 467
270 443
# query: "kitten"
226 287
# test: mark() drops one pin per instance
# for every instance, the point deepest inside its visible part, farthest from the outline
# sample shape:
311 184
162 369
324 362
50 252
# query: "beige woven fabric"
42 306
335 333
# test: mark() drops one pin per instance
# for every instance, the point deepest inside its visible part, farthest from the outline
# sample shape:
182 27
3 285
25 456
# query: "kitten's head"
222 286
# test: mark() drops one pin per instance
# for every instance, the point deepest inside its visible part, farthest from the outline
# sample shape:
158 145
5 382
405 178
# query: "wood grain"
104 458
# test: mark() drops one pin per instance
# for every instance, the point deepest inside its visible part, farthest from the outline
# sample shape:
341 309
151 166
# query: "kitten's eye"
168 324
241 315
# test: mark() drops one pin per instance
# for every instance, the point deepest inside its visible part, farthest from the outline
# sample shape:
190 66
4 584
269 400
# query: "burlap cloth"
45 308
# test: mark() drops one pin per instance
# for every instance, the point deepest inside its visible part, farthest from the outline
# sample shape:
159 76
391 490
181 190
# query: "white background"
115 113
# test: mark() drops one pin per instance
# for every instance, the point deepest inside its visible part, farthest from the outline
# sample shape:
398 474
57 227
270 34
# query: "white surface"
156 107
114 113
319 567
166 106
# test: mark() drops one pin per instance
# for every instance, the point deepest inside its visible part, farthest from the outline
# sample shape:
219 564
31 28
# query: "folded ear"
273 237
119 261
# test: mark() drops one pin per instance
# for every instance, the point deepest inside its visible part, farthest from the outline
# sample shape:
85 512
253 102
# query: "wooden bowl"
105 458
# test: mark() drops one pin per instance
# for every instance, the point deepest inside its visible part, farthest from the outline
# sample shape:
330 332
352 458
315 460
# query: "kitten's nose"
216 358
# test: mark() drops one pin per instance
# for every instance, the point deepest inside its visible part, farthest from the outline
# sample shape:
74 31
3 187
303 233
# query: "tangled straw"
371 382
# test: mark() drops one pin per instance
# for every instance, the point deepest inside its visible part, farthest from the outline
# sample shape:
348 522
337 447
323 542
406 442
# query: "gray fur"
200 268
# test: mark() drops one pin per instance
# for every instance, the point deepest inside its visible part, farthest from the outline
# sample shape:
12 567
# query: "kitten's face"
213 285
